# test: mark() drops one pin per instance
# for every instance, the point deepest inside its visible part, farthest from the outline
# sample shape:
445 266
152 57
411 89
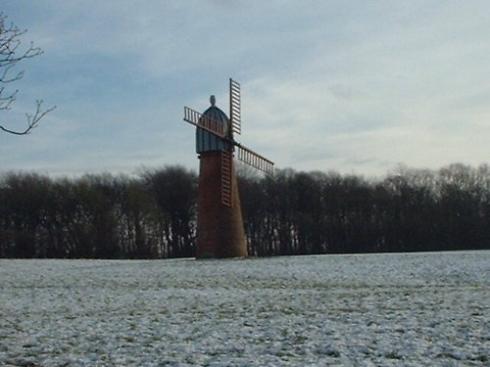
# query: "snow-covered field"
425 309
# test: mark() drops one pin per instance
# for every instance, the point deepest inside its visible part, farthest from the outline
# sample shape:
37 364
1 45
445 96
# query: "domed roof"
208 142
215 113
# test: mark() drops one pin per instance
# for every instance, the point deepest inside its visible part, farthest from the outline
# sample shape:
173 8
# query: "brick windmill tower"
220 231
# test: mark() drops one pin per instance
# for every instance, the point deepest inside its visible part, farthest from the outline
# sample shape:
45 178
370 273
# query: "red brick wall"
220 230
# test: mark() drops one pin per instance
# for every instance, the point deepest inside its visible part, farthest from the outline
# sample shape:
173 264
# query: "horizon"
247 171
353 88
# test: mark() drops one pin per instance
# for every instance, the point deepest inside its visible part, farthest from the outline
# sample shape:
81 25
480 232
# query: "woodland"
153 214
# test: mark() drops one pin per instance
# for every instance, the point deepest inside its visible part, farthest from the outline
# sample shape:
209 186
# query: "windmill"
220 231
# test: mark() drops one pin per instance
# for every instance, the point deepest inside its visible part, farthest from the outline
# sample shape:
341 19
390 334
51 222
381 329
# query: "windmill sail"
253 159
204 122
226 178
235 107
221 130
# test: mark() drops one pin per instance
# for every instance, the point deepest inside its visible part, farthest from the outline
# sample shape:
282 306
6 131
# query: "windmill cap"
214 112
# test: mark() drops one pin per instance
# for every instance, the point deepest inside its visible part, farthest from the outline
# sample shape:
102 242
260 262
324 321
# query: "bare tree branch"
32 120
10 56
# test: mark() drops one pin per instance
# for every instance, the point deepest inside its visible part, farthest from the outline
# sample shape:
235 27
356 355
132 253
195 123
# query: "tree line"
153 215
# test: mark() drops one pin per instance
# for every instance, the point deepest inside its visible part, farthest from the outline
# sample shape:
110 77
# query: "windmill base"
220 231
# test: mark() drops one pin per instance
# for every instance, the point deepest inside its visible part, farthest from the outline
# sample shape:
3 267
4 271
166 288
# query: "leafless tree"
11 54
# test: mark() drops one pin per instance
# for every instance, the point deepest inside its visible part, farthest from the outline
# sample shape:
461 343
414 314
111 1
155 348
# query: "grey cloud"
342 85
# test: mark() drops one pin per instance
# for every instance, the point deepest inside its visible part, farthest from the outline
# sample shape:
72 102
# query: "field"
422 309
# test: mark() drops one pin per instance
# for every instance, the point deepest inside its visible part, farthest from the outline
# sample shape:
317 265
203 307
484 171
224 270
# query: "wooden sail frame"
244 154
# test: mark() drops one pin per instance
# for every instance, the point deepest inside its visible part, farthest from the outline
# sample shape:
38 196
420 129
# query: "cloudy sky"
353 86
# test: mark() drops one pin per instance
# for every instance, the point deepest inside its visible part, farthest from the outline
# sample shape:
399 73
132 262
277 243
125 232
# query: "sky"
350 86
